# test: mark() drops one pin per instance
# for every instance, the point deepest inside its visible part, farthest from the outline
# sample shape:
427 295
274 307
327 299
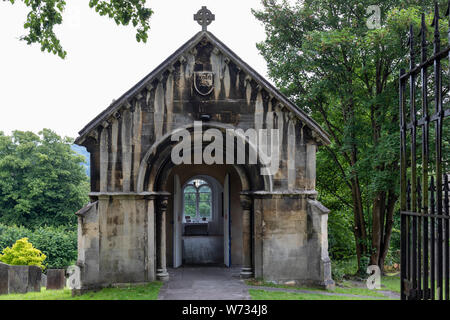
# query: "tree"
42 181
44 15
323 55
22 253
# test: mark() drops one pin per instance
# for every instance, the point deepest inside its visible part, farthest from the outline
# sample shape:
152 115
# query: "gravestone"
18 279
4 272
56 279
44 280
34 278
23 279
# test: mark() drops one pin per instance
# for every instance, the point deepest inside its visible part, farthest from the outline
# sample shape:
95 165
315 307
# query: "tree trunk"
377 226
360 227
392 199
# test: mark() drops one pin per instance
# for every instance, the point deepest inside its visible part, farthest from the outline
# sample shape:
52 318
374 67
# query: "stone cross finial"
204 17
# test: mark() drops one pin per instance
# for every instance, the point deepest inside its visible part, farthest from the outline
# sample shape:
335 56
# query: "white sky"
40 90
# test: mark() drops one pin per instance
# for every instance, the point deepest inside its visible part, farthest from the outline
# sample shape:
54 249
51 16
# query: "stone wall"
116 241
291 239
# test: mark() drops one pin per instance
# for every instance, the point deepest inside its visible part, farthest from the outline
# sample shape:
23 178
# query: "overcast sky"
40 90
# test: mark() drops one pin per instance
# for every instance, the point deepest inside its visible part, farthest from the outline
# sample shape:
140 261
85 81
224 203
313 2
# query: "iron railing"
424 196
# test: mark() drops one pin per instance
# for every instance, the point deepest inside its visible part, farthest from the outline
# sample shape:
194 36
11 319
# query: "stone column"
161 271
246 271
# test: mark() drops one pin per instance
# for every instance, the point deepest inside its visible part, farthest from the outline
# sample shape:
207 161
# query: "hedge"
59 244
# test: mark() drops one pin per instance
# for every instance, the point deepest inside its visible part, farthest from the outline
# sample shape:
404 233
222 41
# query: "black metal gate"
424 201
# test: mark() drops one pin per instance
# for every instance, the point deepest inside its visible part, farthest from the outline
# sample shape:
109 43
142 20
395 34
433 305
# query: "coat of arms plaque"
204 82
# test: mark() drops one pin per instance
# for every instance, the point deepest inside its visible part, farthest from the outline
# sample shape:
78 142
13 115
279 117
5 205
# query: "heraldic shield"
204 82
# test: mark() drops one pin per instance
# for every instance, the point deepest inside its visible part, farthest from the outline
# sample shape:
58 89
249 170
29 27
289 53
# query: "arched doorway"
156 176
199 236
204 228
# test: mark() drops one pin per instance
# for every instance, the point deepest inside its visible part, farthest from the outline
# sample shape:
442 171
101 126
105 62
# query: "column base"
162 275
246 273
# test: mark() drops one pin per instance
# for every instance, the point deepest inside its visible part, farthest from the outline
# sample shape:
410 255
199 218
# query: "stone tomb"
19 279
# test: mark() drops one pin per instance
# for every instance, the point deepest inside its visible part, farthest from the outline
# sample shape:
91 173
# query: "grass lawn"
276 295
145 292
389 283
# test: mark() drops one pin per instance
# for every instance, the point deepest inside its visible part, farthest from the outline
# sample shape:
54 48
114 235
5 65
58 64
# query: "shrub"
22 253
10 234
342 269
341 241
59 244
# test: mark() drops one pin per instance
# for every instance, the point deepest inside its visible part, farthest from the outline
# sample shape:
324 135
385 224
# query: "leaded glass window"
197 201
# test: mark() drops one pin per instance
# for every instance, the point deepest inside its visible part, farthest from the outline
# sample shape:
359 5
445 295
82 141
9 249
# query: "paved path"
204 283
219 283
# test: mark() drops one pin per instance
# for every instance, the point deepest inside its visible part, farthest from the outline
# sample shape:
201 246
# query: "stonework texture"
19 279
56 279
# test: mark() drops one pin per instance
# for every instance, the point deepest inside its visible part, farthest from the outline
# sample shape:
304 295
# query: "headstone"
43 280
18 279
34 278
23 279
56 279
4 274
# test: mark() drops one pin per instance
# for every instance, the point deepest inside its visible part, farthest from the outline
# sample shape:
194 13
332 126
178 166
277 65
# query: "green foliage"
364 263
44 15
324 57
10 234
341 269
22 253
42 181
59 244
341 242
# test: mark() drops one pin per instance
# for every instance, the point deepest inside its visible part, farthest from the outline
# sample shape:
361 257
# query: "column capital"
163 202
246 201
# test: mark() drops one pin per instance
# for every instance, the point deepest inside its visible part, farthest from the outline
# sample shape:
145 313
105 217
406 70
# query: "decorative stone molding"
163 202
246 202
298 194
216 51
105 124
117 115
127 105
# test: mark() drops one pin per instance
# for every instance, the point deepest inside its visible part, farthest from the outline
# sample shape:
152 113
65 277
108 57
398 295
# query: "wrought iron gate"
424 201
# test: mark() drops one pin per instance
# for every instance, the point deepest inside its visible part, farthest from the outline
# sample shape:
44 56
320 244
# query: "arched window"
197 201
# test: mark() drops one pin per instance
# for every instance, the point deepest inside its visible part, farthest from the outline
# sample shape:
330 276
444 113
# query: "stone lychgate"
148 214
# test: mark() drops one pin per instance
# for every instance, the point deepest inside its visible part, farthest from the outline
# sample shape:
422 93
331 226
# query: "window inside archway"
197 204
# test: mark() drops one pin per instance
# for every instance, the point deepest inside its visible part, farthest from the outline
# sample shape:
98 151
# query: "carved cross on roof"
204 17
